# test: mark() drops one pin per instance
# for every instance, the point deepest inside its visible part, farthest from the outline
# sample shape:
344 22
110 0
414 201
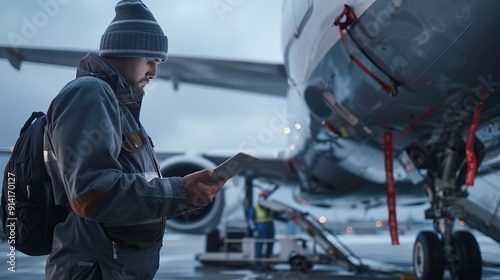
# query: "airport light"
348 229
297 126
378 224
462 223
322 219
287 130
292 147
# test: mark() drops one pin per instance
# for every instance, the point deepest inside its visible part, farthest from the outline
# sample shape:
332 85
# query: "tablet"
230 167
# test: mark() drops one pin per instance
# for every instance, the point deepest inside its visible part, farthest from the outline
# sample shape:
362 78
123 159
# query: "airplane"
386 100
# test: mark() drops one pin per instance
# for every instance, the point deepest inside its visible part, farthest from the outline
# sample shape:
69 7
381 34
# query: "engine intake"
202 220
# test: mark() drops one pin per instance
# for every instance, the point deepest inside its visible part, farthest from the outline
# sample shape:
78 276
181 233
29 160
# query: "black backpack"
29 213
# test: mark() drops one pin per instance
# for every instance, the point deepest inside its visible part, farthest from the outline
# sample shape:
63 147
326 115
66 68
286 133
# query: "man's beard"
138 90
139 87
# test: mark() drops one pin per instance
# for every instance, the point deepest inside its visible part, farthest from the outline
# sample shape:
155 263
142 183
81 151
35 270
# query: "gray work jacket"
102 164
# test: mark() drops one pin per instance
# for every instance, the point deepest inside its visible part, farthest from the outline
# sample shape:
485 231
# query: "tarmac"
179 251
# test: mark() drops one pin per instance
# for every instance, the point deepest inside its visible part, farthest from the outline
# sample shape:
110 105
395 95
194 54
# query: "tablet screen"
230 167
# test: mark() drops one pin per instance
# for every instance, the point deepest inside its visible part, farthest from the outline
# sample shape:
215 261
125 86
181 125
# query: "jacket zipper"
151 152
115 254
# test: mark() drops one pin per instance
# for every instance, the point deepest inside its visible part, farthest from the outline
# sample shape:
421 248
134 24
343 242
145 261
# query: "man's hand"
199 193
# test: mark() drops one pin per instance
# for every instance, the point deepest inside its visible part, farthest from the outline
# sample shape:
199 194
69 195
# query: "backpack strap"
34 116
37 123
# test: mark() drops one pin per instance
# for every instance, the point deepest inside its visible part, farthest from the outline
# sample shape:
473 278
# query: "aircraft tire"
468 262
301 264
428 257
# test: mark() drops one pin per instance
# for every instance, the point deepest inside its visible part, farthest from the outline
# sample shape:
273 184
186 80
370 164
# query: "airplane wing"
264 78
268 166
261 78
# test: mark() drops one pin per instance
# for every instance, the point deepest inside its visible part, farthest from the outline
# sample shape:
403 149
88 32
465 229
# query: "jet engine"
202 220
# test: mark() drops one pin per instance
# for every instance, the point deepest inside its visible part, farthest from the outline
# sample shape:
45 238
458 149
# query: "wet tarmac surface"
179 251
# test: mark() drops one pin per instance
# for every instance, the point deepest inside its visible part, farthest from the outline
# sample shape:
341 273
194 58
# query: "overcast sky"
195 118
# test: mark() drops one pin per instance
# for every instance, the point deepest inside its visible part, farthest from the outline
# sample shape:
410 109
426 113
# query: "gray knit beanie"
134 32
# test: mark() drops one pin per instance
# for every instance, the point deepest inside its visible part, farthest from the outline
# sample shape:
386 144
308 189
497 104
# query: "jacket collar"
99 67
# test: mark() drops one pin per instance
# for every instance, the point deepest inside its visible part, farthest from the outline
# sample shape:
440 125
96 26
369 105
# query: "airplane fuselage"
441 54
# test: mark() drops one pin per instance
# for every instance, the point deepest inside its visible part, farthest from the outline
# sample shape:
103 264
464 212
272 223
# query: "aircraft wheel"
428 257
301 264
467 262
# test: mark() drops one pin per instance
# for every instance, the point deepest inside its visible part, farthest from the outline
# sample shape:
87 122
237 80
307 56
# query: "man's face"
137 71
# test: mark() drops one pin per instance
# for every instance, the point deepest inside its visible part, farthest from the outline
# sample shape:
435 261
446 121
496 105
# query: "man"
102 162
261 221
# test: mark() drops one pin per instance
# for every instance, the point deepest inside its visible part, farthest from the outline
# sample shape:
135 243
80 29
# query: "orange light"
378 223
322 219
348 229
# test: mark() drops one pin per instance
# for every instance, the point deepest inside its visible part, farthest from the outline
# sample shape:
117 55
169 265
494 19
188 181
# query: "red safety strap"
391 188
391 184
388 136
350 18
415 124
470 155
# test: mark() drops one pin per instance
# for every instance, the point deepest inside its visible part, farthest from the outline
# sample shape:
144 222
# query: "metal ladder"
335 249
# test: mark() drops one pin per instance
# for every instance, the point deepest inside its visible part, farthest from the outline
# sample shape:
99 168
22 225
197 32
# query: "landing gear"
467 263
429 261
428 255
458 252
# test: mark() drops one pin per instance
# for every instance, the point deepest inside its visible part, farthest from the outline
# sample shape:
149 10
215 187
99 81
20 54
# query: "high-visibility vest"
263 215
